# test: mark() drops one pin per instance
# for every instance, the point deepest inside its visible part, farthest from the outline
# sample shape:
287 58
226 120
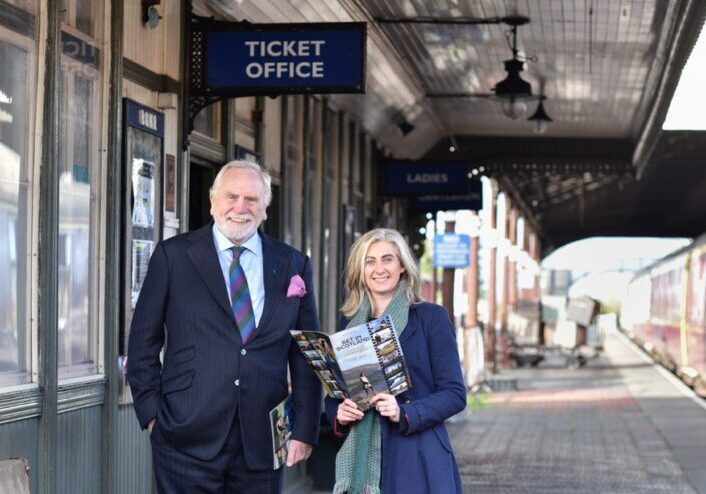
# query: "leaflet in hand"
281 424
357 362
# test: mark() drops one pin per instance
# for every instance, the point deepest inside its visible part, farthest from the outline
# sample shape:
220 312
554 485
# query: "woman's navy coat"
420 459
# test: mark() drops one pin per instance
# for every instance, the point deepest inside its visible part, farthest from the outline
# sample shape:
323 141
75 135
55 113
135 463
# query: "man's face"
237 205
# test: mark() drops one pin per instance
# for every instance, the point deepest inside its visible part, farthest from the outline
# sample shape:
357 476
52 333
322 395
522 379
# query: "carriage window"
18 80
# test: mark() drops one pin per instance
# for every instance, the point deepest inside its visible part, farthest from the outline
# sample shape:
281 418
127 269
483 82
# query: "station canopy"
607 70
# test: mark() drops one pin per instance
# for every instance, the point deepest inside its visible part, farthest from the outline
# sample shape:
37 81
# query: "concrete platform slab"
617 425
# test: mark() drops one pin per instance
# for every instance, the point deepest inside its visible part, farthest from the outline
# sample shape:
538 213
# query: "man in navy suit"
206 403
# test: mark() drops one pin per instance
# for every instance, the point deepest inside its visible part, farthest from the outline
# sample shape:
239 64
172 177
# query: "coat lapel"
274 273
411 325
204 258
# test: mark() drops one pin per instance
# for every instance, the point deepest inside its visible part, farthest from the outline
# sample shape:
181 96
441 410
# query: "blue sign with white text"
452 250
427 178
287 58
144 118
472 199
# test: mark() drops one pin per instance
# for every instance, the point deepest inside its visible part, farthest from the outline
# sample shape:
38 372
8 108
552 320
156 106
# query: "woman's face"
382 268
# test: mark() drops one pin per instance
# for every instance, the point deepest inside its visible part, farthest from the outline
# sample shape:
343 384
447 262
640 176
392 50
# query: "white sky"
685 112
602 266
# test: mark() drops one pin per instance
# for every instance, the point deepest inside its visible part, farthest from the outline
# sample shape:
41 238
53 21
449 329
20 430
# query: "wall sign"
451 250
405 178
247 59
472 199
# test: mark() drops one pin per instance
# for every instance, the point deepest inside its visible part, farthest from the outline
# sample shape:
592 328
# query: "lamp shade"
513 90
539 118
513 85
513 107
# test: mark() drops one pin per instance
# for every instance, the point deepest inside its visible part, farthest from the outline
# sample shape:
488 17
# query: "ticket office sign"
271 59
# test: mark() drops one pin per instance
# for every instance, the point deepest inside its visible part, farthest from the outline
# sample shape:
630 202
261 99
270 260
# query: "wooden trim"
21 404
113 227
48 256
76 395
144 77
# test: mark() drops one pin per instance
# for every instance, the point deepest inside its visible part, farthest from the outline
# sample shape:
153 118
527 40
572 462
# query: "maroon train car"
665 312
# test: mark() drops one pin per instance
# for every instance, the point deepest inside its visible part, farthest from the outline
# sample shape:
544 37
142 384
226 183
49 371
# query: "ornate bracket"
196 93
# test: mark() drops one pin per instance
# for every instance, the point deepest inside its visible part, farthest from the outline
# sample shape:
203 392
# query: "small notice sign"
451 250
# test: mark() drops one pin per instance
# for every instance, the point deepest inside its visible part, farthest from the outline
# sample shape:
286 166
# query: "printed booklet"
357 362
281 424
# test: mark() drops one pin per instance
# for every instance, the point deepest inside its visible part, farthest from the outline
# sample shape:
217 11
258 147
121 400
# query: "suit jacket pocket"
184 355
178 382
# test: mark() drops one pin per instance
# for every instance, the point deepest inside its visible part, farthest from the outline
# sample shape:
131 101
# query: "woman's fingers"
349 403
348 412
387 406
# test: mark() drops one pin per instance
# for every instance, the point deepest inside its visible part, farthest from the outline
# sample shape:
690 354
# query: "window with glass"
80 112
207 122
18 83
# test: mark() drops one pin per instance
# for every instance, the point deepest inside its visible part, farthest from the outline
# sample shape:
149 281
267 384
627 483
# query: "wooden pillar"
512 269
472 315
537 256
432 291
447 284
472 283
503 260
502 355
490 324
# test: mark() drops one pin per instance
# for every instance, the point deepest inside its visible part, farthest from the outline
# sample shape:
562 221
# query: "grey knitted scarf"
359 461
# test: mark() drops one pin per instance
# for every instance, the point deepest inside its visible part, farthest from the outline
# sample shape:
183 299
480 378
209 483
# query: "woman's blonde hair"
355 268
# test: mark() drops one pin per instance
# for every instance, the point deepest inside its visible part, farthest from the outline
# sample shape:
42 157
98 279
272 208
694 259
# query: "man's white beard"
238 232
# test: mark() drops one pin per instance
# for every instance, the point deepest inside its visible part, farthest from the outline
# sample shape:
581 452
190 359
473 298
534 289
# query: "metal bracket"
196 96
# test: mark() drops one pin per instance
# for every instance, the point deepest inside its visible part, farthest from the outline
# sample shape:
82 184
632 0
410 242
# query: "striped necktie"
240 296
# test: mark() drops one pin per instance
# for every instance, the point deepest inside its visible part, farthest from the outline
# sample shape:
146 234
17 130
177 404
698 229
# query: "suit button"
243 351
237 382
408 400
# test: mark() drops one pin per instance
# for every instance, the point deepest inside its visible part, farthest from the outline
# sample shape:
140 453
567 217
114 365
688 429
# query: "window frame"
70 374
28 377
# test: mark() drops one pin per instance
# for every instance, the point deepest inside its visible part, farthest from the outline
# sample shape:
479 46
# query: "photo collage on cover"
282 419
389 354
318 351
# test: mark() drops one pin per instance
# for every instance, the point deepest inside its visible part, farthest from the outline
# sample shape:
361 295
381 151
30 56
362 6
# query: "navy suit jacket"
208 375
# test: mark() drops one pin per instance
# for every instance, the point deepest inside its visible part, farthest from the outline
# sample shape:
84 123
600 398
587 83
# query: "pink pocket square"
297 287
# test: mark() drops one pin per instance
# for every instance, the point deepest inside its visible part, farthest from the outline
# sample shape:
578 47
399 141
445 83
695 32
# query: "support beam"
109 448
48 267
490 323
447 284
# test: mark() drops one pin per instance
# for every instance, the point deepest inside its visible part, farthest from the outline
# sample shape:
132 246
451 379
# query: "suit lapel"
204 258
274 271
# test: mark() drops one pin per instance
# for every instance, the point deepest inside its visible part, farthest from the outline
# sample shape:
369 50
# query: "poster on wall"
169 183
141 252
143 193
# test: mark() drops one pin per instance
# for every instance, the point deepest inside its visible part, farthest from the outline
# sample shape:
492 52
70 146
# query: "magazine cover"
317 349
281 424
358 362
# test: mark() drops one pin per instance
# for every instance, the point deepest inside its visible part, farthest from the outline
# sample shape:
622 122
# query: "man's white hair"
245 165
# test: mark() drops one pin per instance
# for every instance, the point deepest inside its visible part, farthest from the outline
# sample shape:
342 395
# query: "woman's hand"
387 406
348 412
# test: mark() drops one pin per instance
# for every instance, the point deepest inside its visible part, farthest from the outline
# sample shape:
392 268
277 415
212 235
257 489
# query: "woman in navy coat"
413 452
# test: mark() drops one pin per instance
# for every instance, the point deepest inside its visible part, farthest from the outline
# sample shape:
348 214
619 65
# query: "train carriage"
664 311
